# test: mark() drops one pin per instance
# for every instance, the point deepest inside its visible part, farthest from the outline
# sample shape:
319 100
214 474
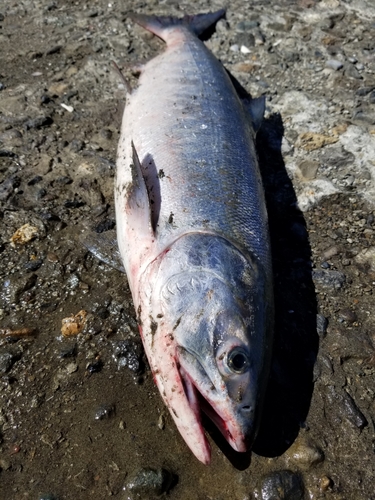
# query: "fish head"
216 315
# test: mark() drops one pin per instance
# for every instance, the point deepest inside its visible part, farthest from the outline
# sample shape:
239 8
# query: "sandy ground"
80 416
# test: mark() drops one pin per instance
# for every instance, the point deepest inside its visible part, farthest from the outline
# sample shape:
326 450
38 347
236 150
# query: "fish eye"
238 360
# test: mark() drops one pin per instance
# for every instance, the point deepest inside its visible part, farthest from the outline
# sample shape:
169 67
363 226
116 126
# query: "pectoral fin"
255 108
138 201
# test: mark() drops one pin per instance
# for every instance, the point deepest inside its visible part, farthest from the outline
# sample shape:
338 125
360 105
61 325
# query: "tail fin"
198 24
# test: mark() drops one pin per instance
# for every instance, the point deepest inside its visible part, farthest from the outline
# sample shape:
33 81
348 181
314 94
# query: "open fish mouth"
224 420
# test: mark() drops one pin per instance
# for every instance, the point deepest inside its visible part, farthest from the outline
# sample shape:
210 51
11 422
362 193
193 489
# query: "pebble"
33 265
329 279
363 91
245 39
330 252
128 353
348 315
35 180
147 482
334 64
321 325
8 187
11 137
39 122
7 360
15 286
352 72
24 234
304 453
325 483
43 165
76 145
372 97
282 485
69 351
104 412
246 25
105 225
94 367
307 169
346 407
73 325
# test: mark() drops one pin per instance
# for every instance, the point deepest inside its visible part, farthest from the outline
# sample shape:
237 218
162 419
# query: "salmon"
193 234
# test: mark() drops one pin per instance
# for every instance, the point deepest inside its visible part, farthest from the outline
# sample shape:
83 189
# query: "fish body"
192 231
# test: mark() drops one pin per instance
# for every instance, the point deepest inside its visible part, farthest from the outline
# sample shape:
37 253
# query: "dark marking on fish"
240 394
170 219
177 323
139 312
153 325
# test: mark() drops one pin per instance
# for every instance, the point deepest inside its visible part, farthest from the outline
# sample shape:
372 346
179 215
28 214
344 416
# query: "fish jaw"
179 397
236 422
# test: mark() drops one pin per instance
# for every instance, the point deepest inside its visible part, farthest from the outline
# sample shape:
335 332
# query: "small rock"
105 225
69 351
44 165
106 133
39 122
246 25
346 407
33 265
35 180
304 453
11 137
348 315
364 116
246 39
334 64
352 72
329 279
367 257
222 26
312 140
321 325
330 252
325 483
8 187
307 169
244 50
7 360
372 97
24 234
76 145
71 368
15 286
52 257
53 50
94 367
147 482
104 412
282 485
363 91
73 325
129 353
